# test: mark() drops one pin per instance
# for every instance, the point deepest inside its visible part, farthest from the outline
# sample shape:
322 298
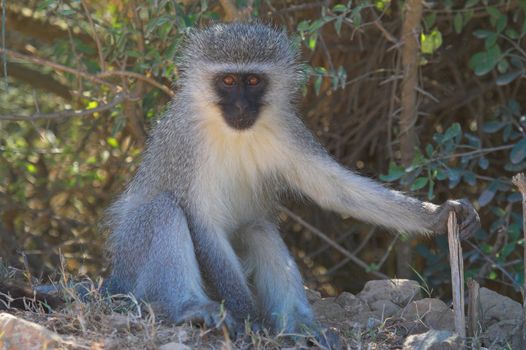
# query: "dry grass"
121 322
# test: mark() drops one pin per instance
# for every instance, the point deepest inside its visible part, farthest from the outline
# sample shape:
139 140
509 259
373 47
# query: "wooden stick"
519 180
473 308
457 274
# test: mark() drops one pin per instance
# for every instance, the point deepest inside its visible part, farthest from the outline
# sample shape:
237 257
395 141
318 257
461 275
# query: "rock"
174 346
432 340
17 333
433 313
352 304
504 333
398 291
496 307
312 295
119 322
328 311
384 308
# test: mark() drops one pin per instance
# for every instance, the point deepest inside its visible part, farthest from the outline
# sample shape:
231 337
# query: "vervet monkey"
197 224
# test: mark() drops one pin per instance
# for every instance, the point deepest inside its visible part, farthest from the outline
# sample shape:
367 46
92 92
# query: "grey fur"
196 225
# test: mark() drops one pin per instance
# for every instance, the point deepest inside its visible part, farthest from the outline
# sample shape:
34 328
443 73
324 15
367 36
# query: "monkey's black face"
240 97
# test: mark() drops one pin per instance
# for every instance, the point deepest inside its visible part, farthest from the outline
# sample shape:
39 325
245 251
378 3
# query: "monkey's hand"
467 216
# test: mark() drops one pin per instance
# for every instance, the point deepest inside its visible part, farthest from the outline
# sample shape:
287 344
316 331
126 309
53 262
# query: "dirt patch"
386 314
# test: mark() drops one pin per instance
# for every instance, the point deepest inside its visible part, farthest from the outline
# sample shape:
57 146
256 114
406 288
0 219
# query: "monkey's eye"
229 80
252 80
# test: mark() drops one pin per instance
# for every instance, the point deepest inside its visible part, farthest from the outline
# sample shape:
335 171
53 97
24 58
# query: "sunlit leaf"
112 142
429 43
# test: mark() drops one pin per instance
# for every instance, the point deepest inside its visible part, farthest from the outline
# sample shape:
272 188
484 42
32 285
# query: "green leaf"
502 21
429 150
482 34
419 183
503 66
31 168
338 24
507 249
339 8
317 84
112 142
453 131
483 163
493 12
429 43
429 21
312 41
471 3
454 176
303 26
507 78
488 194
512 33
483 62
518 152
458 22
395 173
491 40
441 175
317 24
492 126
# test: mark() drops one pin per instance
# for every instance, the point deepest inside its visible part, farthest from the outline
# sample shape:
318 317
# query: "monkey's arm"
314 173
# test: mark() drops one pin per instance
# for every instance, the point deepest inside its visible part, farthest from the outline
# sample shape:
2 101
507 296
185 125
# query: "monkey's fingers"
470 219
211 316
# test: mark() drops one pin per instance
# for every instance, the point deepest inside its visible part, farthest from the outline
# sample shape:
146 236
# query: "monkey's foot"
212 315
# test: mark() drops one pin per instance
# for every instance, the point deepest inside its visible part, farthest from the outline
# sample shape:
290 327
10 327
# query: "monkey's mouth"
240 122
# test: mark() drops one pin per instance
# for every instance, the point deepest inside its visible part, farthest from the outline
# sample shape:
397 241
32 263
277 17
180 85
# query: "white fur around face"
234 166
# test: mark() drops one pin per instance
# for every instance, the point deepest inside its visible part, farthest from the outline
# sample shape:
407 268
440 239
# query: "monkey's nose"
241 107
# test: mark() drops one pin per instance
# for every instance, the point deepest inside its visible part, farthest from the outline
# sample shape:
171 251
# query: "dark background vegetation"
428 96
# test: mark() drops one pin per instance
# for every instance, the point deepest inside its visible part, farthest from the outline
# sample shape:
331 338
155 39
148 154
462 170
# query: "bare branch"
519 180
457 274
93 78
37 80
138 76
95 36
331 242
409 111
68 113
60 67
232 13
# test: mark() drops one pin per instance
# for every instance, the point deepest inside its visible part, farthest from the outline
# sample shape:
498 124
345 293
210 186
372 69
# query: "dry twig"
67 114
331 242
457 274
519 180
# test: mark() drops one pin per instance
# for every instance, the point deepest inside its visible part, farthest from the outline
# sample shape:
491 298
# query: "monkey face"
240 97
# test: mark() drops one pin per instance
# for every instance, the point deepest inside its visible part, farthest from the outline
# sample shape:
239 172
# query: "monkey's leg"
277 280
153 258
222 271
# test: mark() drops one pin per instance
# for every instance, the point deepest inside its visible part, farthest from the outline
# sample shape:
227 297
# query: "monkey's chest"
230 193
